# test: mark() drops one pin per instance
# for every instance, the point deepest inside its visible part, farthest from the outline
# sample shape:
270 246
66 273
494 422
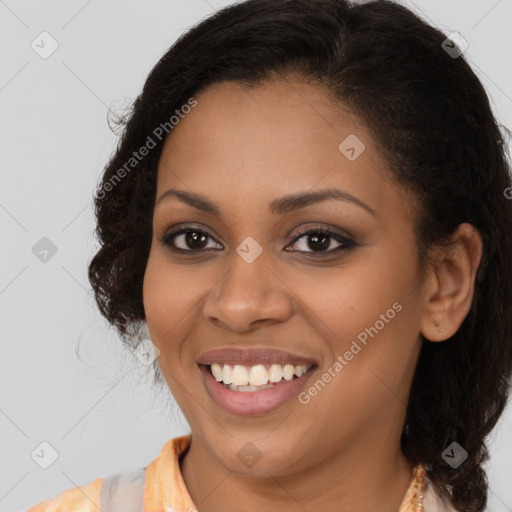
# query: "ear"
450 286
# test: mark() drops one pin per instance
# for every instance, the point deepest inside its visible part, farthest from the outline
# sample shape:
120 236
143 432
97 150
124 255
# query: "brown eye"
187 240
319 240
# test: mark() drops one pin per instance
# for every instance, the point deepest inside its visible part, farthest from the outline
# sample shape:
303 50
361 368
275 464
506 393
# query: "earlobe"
450 287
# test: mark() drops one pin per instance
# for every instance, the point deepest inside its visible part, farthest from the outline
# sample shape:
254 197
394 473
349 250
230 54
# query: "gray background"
98 410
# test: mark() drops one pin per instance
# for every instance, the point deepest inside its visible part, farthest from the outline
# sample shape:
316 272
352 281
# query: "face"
309 304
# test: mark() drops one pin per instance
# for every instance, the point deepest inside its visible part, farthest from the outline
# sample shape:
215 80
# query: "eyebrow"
281 206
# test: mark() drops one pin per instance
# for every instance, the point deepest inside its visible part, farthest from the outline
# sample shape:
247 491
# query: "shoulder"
84 498
162 483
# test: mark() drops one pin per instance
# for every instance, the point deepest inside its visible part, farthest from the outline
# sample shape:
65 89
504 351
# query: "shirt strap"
123 492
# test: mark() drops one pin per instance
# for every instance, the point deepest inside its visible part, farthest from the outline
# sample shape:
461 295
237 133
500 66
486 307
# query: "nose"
249 294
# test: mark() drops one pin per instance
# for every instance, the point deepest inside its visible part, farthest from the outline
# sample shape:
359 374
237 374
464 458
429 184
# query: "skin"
242 149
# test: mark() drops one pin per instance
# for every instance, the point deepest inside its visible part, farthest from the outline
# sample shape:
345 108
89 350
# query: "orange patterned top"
165 491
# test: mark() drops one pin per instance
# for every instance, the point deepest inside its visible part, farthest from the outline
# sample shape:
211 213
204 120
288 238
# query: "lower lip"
252 402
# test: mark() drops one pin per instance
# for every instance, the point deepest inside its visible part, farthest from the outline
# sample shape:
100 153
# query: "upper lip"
252 357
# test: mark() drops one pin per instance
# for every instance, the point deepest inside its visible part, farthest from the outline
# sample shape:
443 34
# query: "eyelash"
347 243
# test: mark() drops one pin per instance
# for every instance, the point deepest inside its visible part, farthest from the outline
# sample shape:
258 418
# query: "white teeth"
217 372
275 373
227 372
249 388
244 378
240 375
258 375
300 370
288 371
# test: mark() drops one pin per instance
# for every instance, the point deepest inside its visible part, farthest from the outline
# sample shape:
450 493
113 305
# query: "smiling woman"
320 250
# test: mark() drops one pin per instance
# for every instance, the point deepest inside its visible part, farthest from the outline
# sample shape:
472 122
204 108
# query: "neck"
359 479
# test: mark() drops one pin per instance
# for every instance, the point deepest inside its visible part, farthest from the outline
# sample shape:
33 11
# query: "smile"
255 378
252 381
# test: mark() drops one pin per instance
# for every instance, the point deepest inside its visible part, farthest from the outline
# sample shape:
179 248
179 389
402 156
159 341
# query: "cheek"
166 301
169 290
173 295
167 294
369 311
343 301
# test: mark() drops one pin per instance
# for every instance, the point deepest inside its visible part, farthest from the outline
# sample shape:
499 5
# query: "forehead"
282 137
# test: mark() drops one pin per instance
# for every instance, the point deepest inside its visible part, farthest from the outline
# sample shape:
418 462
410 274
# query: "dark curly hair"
433 122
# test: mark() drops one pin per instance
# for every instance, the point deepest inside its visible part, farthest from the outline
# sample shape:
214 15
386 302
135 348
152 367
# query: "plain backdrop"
66 380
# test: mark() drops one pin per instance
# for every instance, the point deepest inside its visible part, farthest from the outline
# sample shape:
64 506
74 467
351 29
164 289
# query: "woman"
308 212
